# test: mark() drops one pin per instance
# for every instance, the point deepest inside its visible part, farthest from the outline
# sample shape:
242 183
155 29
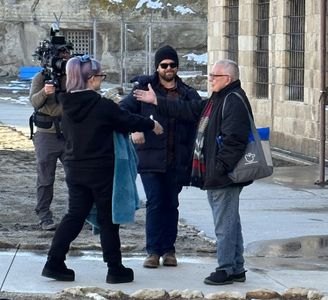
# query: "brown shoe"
169 260
151 261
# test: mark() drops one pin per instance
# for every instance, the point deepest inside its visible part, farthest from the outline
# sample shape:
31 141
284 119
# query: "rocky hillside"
164 9
124 34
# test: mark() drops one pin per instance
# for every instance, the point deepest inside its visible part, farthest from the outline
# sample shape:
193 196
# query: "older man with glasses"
165 161
219 145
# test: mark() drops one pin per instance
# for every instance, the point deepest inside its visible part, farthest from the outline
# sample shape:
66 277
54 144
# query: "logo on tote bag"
250 158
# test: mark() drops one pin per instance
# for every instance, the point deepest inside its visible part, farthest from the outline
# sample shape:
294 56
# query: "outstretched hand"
146 96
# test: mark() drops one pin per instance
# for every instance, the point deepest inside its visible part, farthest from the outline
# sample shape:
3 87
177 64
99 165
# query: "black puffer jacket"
153 154
234 130
88 124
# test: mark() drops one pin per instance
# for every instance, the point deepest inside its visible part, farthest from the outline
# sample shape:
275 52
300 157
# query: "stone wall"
295 125
85 293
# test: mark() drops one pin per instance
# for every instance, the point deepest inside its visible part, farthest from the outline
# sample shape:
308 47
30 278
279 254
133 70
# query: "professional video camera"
48 55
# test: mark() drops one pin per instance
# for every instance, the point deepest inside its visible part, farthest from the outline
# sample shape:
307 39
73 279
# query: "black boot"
119 274
56 269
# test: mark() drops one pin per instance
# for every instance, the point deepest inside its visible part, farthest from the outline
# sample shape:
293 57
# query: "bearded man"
164 161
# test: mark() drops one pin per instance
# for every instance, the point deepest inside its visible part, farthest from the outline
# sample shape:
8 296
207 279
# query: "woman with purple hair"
88 123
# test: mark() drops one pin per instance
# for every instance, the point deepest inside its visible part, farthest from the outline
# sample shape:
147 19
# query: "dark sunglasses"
103 76
86 58
64 50
165 66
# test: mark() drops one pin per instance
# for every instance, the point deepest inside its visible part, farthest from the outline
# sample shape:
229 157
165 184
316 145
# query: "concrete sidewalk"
285 226
285 205
91 271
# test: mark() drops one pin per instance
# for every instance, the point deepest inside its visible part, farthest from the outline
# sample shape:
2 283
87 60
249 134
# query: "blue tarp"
27 73
264 134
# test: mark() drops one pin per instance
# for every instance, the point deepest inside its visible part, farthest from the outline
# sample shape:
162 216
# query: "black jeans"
161 211
85 187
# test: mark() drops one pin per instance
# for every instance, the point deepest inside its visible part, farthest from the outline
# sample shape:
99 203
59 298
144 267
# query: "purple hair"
78 73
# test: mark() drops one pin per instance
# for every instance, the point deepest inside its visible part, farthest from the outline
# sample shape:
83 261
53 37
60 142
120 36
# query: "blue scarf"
125 198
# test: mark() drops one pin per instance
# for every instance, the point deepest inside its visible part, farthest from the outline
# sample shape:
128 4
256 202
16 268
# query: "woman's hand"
158 129
138 137
146 96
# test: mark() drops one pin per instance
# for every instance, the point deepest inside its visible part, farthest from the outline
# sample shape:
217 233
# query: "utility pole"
323 96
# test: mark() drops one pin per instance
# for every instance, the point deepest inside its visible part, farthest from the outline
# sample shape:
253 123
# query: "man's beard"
169 78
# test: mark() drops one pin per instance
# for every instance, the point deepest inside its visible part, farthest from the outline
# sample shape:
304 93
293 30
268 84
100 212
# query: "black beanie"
166 52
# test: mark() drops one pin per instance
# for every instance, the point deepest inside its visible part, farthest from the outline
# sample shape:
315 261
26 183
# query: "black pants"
85 187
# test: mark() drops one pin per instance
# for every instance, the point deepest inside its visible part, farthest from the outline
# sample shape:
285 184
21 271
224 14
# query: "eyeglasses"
64 50
103 76
217 75
86 58
165 66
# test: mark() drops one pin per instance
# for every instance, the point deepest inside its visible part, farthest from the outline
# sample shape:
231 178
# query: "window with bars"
232 31
81 39
295 48
262 49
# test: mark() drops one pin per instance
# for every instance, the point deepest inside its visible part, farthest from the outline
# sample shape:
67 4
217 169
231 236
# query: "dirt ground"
19 225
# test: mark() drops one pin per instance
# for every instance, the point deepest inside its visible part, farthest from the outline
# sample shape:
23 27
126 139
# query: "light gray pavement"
286 205
285 227
270 209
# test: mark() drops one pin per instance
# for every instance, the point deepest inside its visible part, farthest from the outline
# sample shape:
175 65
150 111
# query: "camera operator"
48 140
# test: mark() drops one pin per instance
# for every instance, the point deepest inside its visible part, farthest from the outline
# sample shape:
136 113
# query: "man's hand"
138 138
146 96
49 88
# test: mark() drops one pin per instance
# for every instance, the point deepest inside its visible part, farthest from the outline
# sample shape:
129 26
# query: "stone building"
123 35
277 46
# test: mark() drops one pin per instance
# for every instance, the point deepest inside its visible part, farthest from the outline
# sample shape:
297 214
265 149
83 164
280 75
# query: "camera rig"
48 54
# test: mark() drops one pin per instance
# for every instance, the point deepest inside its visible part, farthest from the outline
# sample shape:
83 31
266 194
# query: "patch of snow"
200 59
157 4
202 94
150 4
183 10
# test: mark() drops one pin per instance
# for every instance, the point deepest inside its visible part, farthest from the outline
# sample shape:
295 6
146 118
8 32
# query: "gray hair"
230 67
